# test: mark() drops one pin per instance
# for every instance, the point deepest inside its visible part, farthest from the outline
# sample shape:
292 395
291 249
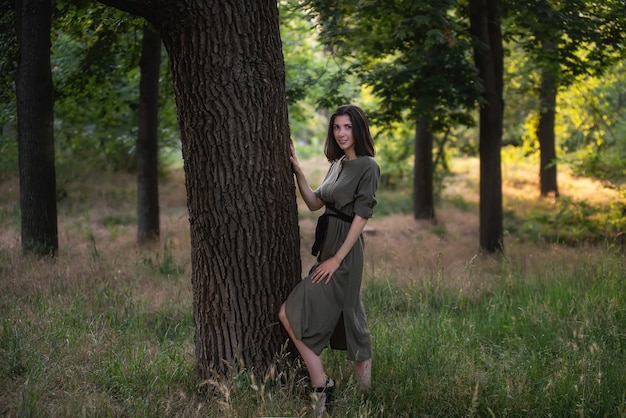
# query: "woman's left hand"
325 271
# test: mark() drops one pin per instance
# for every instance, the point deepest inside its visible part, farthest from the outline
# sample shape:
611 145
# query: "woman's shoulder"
361 164
367 161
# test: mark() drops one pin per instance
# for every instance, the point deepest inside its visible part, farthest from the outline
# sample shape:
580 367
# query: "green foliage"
414 60
590 122
520 96
594 128
394 152
415 56
90 60
312 75
95 58
593 114
577 43
8 58
8 109
586 37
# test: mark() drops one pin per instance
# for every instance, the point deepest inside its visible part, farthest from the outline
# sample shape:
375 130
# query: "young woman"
325 307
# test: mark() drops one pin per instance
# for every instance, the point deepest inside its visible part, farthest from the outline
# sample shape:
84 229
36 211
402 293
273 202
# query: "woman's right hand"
294 160
310 198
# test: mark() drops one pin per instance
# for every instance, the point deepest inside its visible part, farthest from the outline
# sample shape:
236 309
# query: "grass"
105 329
538 344
527 347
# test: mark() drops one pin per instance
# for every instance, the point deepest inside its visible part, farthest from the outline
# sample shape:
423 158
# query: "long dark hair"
363 142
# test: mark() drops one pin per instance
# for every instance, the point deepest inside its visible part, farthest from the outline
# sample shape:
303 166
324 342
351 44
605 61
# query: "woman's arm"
356 229
326 269
310 198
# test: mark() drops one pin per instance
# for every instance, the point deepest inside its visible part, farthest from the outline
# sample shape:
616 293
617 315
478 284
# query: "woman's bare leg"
363 372
312 361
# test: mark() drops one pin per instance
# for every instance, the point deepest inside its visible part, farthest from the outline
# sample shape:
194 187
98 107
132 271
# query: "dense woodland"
134 85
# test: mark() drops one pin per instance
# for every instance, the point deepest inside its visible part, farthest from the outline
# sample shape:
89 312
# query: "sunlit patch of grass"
585 211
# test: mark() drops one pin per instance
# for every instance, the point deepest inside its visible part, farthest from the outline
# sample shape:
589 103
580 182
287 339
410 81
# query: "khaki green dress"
333 313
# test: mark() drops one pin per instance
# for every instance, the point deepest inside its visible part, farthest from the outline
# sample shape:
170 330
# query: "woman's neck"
350 157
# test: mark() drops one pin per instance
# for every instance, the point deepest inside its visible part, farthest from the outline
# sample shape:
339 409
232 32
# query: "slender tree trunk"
485 26
440 157
147 138
35 128
545 134
423 195
229 80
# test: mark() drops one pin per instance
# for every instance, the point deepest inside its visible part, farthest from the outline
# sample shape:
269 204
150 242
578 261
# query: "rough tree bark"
423 194
229 81
35 128
488 55
148 228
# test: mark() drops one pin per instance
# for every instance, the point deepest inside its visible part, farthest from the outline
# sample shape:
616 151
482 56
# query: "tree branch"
135 7
151 10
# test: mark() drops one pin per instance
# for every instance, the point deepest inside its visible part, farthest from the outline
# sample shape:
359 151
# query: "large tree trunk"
229 80
35 128
423 195
485 27
147 138
545 134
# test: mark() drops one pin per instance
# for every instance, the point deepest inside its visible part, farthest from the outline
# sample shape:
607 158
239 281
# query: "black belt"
322 226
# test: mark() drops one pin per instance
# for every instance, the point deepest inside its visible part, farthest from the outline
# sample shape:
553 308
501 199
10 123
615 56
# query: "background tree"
564 40
147 140
8 68
414 55
38 202
229 81
488 55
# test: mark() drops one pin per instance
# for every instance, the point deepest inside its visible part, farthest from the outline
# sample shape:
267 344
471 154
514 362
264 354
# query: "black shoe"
328 391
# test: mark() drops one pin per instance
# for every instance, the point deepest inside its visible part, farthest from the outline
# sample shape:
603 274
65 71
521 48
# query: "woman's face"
342 130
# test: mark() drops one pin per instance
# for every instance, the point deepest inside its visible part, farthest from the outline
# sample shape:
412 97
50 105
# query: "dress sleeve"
319 192
365 196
